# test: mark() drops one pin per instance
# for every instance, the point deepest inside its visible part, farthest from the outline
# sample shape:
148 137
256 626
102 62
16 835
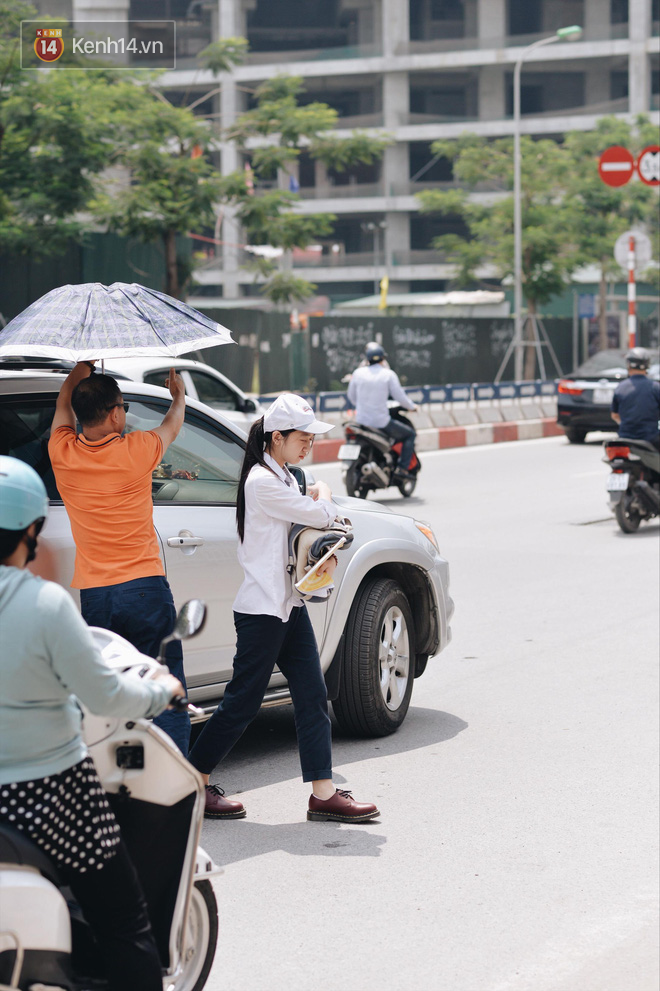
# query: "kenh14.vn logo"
48 44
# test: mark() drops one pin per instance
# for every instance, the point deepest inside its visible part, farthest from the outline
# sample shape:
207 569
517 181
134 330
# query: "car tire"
201 938
627 519
575 435
378 667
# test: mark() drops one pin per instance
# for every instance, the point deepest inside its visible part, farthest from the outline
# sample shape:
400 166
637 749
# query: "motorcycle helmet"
638 358
23 496
374 352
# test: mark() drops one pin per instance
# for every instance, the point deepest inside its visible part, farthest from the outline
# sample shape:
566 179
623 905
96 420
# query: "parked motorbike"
634 485
158 800
370 456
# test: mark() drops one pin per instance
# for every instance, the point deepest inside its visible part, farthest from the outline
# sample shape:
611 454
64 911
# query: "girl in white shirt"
272 624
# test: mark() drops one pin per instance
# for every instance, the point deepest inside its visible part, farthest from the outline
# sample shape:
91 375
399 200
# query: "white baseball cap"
290 412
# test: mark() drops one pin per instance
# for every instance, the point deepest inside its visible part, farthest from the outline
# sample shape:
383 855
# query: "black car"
584 398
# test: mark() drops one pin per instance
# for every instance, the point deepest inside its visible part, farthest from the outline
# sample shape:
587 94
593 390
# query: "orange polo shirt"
106 488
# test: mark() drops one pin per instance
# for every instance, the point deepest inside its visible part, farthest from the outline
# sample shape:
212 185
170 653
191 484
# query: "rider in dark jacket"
636 401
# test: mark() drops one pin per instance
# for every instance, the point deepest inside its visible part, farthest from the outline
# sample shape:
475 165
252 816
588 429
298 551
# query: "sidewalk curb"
442 438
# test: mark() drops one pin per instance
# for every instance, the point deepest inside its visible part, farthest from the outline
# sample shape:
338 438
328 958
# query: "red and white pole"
632 295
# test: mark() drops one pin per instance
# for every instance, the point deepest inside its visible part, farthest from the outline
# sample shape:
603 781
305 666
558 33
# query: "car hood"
348 502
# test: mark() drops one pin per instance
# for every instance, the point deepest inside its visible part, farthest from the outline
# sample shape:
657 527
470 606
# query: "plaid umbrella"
119 321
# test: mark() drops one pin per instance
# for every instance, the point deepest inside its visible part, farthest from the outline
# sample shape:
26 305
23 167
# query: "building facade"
419 70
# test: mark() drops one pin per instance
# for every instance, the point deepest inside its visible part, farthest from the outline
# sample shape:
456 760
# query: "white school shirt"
369 389
272 503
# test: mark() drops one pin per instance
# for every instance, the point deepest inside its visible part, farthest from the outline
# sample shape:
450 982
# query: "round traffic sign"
643 250
648 165
616 165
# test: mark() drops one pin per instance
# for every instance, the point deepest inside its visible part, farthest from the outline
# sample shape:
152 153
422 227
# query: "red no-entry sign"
616 166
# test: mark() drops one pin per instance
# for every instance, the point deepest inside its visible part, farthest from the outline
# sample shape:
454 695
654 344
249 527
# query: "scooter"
634 485
370 456
158 800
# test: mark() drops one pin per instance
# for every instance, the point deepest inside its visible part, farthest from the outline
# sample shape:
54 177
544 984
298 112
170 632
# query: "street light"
375 228
563 34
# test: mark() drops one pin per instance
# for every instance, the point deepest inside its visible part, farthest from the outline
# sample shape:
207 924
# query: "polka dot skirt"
66 814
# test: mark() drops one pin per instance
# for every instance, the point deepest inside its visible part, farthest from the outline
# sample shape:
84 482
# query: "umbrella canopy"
119 321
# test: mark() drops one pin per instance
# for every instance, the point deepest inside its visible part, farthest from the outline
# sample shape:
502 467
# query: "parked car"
584 398
202 382
389 613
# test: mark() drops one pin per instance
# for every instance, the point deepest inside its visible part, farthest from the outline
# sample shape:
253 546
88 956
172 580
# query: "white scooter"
158 800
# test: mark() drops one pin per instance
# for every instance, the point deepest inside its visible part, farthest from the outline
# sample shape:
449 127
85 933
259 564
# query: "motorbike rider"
370 388
49 789
636 400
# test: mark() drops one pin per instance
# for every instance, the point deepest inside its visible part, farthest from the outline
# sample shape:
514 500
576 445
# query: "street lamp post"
563 34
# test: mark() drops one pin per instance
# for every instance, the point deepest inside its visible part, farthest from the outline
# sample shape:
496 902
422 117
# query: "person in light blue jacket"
49 789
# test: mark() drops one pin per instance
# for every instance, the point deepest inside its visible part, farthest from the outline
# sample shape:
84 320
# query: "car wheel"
379 661
627 518
575 435
201 939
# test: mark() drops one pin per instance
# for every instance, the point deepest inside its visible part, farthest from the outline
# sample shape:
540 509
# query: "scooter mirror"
190 620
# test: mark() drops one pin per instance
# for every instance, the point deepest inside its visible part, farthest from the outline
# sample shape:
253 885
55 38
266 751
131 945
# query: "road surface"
517 845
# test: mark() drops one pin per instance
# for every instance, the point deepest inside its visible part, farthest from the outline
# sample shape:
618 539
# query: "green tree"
606 211
570 217
175 188
51 147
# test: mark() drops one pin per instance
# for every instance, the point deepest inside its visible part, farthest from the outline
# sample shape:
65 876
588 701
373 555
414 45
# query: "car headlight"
428 533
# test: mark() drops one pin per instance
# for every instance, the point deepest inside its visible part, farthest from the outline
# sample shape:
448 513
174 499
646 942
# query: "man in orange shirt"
104 478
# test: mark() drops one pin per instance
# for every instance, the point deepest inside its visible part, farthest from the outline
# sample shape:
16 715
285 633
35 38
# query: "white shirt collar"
282 473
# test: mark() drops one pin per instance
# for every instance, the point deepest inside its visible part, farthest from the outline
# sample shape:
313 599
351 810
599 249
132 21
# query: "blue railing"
423 395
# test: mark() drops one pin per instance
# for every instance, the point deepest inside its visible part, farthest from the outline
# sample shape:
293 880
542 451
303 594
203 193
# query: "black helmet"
638 358
374 352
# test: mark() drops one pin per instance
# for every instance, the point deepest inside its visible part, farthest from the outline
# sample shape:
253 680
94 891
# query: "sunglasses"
126 406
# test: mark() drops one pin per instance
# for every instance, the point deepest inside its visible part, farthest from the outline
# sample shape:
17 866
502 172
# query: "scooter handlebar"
181 703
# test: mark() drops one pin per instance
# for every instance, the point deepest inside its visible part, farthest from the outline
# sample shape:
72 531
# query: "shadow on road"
230 843
267 752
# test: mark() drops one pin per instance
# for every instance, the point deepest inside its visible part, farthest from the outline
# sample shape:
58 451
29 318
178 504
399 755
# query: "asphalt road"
517 845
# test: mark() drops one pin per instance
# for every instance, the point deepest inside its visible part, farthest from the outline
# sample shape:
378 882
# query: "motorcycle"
158 800
370 456
634 485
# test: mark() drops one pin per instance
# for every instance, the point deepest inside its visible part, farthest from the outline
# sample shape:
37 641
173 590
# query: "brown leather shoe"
219 807
340 808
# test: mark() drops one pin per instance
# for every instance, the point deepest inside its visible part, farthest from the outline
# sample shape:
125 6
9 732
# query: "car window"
213 391
202 465
156 378
24 432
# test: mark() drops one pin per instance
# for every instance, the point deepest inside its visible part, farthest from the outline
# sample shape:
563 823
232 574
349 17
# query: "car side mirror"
248 406
300 477
189 622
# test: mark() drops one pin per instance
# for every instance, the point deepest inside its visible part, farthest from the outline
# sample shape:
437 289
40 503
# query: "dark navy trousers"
401 431
262 642
142 611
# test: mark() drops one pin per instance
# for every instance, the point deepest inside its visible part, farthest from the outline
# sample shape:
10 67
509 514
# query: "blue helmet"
374 352
23 496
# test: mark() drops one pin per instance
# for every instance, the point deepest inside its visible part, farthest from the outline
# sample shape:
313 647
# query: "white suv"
389 613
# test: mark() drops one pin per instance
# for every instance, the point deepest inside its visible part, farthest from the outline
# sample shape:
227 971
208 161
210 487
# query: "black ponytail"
258 441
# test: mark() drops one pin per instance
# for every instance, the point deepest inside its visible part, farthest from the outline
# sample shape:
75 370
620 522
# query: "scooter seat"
635 441
15 848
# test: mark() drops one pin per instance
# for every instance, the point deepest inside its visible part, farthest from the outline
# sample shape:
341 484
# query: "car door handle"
185 541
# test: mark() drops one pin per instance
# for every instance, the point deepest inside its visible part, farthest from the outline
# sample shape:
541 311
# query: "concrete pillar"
492 92
108 11
321 180
231 24
471 21
597 23
597 84
397 238
639 68
492 23
395 22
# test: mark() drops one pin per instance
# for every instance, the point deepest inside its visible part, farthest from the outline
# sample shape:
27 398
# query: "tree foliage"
570 218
